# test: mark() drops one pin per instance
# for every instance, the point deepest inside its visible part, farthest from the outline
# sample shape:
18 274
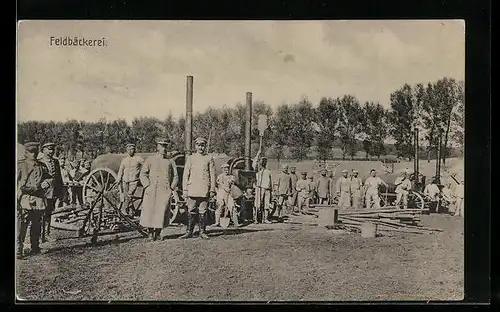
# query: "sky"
143 67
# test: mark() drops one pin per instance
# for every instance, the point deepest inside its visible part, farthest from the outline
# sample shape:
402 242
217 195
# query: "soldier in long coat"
128 177
32 183
263 189
55 191
198 185
159 178
323 188
343 188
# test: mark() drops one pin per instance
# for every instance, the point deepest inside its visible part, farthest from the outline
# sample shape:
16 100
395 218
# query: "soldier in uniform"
303 193
55 191
32 183
343 188
356 188
283 188
159 178
198 186
66 179
371 190
403 186
433 194
128 177
292 202
263 187
323 188
223 183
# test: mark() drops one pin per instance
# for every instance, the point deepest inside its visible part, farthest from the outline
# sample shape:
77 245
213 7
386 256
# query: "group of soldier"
41 185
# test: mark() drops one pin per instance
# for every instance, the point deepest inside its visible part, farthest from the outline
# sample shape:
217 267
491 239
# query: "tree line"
294 130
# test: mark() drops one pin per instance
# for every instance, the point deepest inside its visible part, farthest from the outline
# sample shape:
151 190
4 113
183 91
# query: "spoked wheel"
175 205
415 201
101 191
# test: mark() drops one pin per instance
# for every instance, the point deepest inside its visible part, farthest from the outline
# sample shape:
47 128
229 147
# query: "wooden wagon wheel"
415 201
175 205
102 181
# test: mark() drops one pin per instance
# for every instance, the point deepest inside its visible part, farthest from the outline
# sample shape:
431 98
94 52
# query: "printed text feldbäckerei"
77 41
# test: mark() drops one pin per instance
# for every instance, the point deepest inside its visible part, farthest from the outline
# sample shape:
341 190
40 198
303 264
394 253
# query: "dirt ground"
278 262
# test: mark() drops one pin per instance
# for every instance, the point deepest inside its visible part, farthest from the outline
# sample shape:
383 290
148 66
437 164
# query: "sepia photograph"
240 161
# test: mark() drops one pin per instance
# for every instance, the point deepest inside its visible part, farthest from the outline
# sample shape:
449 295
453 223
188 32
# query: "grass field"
278 262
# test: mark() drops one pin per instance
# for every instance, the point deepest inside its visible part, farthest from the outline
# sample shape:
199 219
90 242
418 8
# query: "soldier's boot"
280 214
217 220
202 225
234 216
35 237
265 216
189 228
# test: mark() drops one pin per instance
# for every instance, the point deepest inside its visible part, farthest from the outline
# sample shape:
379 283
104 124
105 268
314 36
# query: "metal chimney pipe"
438 162
189 115
248 132
415 161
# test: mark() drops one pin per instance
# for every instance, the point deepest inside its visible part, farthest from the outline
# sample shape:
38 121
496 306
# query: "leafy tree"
302 133
375 127
327 118
350 124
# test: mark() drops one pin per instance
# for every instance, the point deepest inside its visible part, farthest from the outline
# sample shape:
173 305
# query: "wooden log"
374 211
76 220
64 226
67 213
402 230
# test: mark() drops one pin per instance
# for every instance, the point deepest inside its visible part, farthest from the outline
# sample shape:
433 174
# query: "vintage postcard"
254 161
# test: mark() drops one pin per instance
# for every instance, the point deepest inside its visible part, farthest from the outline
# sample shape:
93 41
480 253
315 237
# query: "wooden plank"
64 226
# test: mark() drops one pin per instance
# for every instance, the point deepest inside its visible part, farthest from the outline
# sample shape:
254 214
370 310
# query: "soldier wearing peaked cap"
31 187
128 177
403 186
198 185
292 200
343 188
283 189
323 188
55 191
356 189
159 178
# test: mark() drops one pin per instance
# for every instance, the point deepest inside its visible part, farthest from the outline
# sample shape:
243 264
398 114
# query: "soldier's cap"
372 169
284 166
129 145
31 146
329 170
48 144
293 167
263 158
323 170
304 173
354 171
224 166
344 171
162 141
199 140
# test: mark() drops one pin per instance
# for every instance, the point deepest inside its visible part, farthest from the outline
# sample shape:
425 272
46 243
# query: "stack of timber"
74 217
387 219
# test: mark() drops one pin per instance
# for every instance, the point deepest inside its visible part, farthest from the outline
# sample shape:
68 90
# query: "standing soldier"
303 193
292 201
371 190
66 179
283 188
31 186
198 185
159 178
403 186
55 191
356 187
225 202
311 199
323 188
128 177
343 188
263 186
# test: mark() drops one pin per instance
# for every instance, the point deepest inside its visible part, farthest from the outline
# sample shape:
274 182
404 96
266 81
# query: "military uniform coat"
323 187
284 184
159 177
199 176
30 174
55 179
